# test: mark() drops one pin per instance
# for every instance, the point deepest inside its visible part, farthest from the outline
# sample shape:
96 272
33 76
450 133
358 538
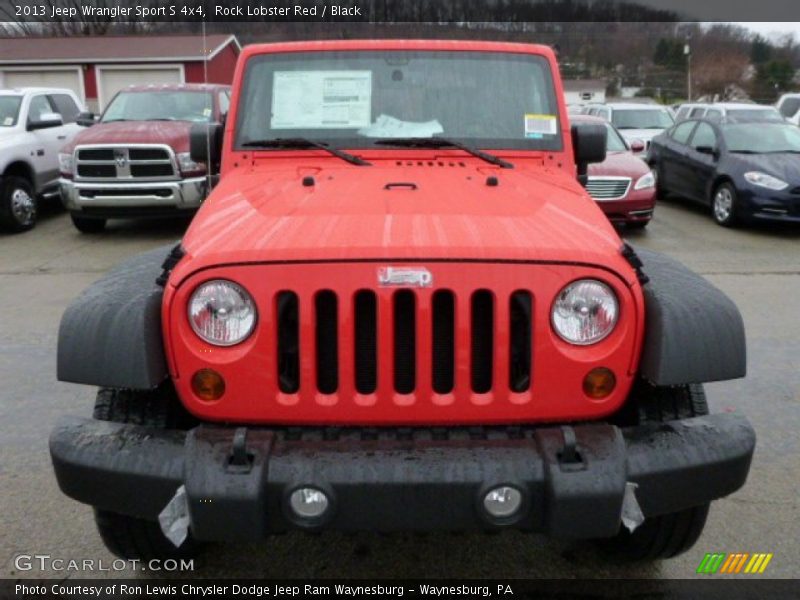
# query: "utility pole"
687 51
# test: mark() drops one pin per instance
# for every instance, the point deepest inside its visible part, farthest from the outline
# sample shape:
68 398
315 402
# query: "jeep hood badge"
404 276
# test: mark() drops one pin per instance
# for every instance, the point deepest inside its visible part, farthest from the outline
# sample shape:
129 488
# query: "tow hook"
240 460
569 458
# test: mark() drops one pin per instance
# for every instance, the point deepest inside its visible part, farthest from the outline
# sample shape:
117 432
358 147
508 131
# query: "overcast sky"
772 28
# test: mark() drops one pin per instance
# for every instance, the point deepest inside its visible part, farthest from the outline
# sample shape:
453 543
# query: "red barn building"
97 67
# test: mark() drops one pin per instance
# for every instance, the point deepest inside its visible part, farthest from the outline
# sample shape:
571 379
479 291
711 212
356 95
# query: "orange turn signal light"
599 383
208 385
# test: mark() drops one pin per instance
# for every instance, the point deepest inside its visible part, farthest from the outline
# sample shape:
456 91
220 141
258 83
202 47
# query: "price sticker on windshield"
8 121
537 125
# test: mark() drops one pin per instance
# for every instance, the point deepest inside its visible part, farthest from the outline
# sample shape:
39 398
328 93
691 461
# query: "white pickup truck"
34 124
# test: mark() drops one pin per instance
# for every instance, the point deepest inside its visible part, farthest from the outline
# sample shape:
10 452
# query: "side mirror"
637 146
710 150
86 119
205 144
45 121
589 146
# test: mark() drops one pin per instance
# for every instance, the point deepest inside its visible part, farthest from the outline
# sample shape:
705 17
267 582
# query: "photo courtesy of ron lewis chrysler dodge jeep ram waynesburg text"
400 310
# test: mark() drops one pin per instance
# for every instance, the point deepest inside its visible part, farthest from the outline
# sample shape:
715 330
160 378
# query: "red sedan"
623 184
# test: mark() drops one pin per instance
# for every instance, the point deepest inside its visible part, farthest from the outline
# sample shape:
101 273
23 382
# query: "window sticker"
537 125
321 99
8 121
206 112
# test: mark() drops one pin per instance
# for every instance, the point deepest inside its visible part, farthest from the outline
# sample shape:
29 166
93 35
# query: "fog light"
308 503
502 502
599 383
208 385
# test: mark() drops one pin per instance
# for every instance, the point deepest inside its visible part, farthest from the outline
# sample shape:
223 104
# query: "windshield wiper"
445 143
299 143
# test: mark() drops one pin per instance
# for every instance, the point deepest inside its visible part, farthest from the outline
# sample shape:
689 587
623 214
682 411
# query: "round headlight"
585 312
222 313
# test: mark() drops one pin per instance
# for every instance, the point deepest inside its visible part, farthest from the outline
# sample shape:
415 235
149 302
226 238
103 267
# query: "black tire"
17 204
88 224
725 205
132 537
667 535
661 192
637 225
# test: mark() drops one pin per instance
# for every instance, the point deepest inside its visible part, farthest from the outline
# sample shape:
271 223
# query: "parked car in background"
34 124
135 161
729 111
635 121
742 171
623 184
789 107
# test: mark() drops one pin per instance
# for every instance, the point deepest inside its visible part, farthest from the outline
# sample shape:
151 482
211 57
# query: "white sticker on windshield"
538 125
321 99
8 121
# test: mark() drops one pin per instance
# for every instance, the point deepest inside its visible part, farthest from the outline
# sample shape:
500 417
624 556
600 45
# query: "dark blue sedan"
743 171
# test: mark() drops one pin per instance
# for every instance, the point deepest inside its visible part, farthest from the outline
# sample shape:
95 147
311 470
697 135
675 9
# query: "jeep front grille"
608 188
395 322
144 163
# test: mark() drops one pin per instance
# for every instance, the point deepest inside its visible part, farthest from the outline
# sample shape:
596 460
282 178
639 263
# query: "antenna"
205 81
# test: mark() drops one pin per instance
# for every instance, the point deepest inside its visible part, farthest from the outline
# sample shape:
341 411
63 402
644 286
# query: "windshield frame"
556 142
15 117
209 93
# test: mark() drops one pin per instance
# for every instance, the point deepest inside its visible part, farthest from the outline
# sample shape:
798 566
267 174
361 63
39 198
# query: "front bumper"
636 207
403 479
121 198
759 204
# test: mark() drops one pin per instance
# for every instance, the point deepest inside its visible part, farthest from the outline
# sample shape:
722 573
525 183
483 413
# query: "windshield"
757 138
9 110
356 98
160 106
764 114
614 142
624 118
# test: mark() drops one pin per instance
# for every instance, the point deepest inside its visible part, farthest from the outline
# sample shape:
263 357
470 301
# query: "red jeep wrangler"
399 310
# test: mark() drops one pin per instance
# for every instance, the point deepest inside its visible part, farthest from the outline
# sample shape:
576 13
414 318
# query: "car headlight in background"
65 163
767 181
647 180
585 312
222 312
187 165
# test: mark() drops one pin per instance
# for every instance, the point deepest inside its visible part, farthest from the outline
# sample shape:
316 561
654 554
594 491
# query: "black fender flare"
694 333
110 335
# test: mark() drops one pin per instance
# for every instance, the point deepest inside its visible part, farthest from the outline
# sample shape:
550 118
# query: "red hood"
623 164
264 213
172 133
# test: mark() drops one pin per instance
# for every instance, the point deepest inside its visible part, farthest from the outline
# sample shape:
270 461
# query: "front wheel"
17 204
132 537
724 204
88 224
663 536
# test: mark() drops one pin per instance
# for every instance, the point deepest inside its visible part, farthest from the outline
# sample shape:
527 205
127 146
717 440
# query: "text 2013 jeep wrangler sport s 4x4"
399 310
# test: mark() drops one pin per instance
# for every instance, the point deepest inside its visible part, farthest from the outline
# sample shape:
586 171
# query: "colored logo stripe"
710 563
758 563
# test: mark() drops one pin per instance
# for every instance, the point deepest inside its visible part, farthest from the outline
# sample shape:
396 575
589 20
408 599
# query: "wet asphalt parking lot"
43 270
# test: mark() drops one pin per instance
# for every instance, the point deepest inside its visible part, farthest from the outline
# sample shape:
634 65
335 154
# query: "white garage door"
58 78
110 80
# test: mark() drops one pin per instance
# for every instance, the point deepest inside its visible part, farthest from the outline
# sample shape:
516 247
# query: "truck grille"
608 188
125 162
401 315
